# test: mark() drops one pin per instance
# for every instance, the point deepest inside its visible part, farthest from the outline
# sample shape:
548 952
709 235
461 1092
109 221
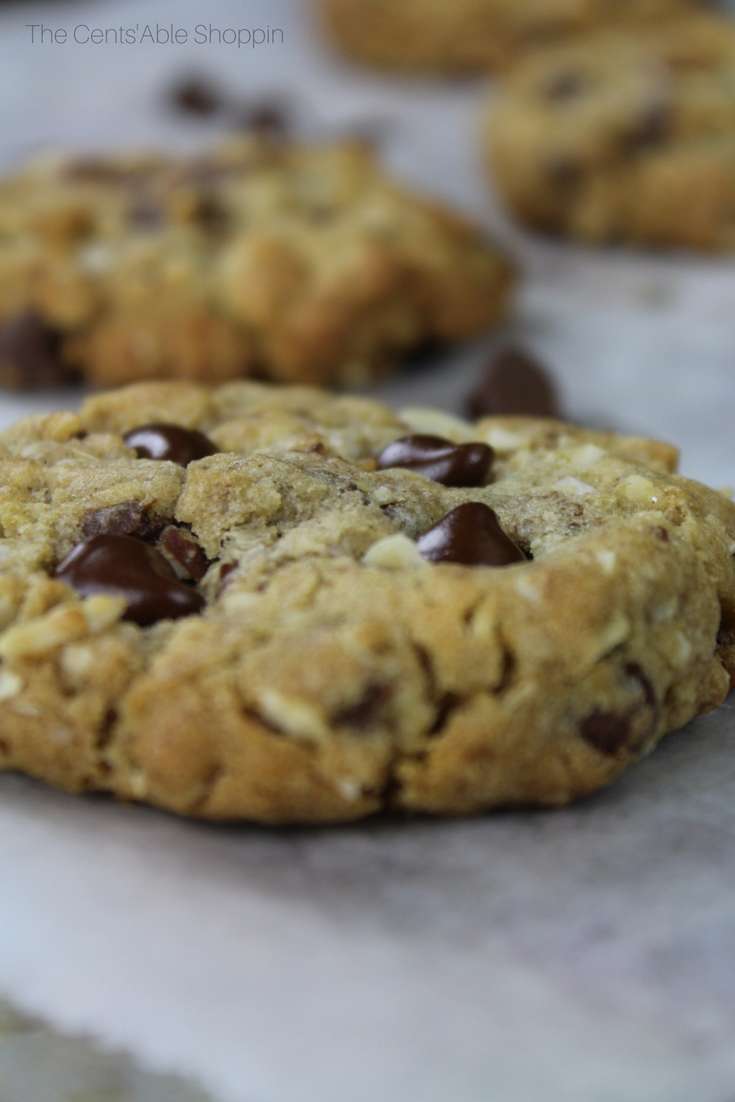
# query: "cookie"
300 263
456 36
622 138
337 609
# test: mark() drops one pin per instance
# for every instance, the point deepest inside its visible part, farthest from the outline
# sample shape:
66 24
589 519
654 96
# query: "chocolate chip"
366 711
269 118
128 518
565 86
121 566
30 353
196 96
439 459
163 441
661 534
185 551
649 130
609 731
146 215
469 534
605 731
564 174
513 384
96 170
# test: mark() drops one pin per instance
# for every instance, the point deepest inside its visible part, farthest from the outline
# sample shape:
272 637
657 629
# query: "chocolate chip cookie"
450 36
279 605
623 138
300 263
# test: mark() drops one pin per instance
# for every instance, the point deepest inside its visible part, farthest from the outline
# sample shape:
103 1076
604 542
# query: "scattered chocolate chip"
513 384
649 130
121 566
605 731
195 95
268 118
210 215
30 353
608 731
366 711
565 86
469 534
661 534
128 518
185 551
162 441
146 215
224 575
439 459
564 174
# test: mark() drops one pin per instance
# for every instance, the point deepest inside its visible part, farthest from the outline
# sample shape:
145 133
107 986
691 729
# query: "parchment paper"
580 956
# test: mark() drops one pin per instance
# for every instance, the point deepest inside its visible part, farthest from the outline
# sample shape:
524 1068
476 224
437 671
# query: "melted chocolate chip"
196 96
605 731
439 459
146 215
513 384
121 566
161 441
469 534
186 552
565 86
366 712
649 130
269 118
129 518
30 353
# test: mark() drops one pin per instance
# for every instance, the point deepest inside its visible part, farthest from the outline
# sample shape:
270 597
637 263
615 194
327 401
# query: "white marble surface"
583 956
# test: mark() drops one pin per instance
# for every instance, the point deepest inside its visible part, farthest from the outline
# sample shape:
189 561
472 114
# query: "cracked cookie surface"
299 263
333 671
623 138
437 36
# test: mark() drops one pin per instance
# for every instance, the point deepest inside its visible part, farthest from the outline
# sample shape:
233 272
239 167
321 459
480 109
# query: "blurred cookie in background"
301 263
458 36
622 137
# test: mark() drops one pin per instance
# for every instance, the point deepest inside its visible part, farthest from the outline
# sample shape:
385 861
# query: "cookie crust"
299 263
623 138
457 36
334 673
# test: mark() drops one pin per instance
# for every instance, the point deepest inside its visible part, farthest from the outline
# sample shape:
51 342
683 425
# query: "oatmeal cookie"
455 36
300 263
623 138
279 605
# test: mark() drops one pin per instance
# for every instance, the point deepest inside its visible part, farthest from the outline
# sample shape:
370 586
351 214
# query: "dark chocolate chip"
30 353
365 713
513 384
146 215
469 534
121 566
196 96
268 118
564 174
185 551
128 518
439 459
606 731
649 130
565 86
163 441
